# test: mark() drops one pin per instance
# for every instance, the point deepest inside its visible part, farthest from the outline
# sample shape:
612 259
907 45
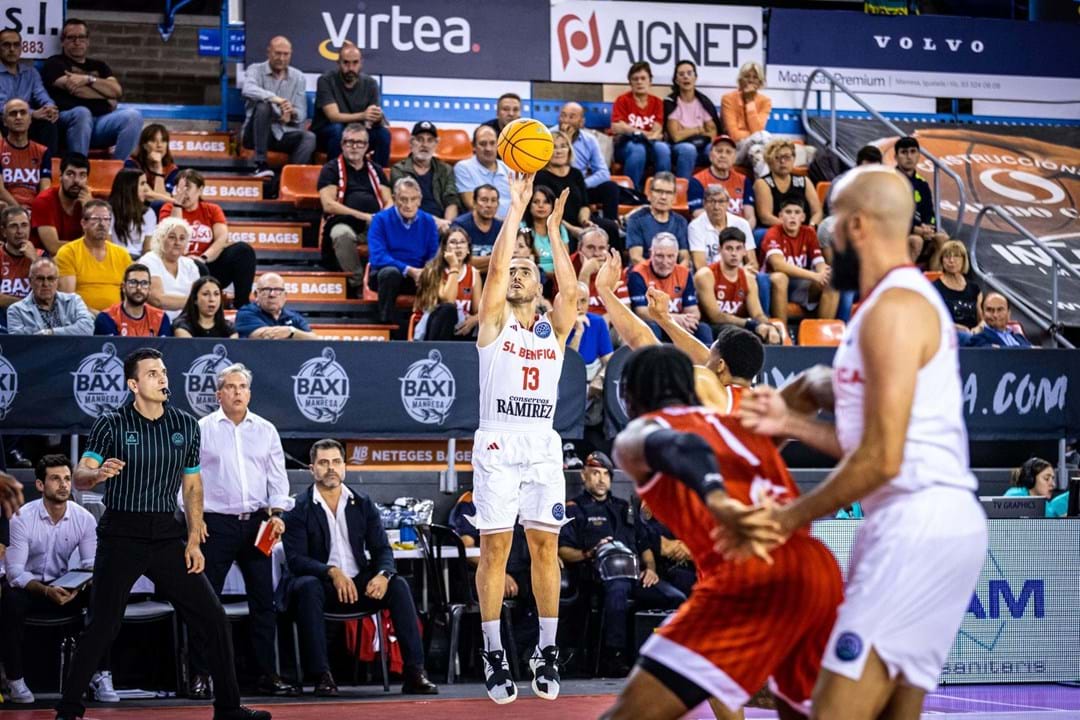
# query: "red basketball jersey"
730 295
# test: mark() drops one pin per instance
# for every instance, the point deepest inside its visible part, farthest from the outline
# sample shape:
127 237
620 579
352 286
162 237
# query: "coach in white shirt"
703 233
44 536
244 484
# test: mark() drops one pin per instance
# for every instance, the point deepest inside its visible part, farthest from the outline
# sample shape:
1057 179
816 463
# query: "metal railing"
834 85
1057 263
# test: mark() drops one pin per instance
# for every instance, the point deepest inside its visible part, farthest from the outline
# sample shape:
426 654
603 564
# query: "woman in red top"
637 122
449 291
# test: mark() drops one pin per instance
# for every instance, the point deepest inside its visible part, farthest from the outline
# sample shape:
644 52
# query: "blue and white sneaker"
545 670
500 685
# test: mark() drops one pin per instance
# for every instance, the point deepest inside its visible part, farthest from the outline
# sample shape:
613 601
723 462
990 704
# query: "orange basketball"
525 145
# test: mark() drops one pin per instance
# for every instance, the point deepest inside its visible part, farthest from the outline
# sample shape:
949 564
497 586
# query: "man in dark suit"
996 332
326 534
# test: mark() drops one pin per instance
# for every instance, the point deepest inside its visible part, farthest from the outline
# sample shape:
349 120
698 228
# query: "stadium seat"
823 190
274 158
298 185
399 144
626 182
782 328
820 333
102 174
932 275
454 146
682 185
369 295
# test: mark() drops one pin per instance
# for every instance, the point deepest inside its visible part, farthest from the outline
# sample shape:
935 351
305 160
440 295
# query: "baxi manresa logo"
98 382
321 388
200 381
9 385
428 390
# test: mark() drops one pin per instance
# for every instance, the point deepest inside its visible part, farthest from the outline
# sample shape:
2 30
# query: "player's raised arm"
632 329
493 300
564 312
660 312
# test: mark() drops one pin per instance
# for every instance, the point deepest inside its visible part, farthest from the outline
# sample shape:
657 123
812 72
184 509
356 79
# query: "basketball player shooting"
900 436
517 455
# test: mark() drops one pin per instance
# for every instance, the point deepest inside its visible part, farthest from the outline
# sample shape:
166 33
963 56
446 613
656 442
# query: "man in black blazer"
326 534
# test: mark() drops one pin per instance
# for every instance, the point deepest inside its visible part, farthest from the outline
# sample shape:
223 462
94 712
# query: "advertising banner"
39 23
927 55
481 39
306 389
599 41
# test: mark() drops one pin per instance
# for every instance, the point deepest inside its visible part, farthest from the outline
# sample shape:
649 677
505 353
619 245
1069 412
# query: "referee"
145 451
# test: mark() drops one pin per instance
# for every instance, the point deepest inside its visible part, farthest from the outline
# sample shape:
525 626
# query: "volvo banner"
307 389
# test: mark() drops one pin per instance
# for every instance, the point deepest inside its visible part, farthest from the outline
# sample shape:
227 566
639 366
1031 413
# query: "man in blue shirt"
267 318
589 159
643 225
483 168
401 240
23 82
482 225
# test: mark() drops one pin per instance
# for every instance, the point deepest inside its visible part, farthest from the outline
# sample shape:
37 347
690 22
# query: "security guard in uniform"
673 561
595 519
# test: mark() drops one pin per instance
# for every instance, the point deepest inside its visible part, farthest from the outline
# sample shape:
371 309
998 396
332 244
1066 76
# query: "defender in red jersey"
752 618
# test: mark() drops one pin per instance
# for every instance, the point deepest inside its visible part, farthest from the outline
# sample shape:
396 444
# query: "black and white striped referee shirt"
157 454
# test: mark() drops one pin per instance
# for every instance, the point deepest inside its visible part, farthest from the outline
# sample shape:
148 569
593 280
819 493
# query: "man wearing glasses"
87 93
92 266
48 312
352 188
645 224
132 317
267 318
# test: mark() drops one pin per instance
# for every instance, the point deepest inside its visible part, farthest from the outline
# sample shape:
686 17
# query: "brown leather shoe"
275 685
417 683
199 688
326 687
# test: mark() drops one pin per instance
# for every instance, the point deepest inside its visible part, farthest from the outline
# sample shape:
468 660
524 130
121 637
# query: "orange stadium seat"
370 296
299 183
682 186
626 182
782 328
820 333
102 174
399 144
932 275
823 190
454 145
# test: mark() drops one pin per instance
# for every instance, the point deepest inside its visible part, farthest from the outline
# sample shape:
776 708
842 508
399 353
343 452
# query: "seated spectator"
507 110
438 191
132 317
593 519
536 216
591 339
401 241
349 206
745 112
525 247
482 225
347 96
690 120
589 159
87 92
963 297
233 263
643 225
46 311
560 174
16 256
637 121
44 536
797 270
925 240
721 171
275 109
154 160
92 266
133 218
780 186
995 326
727 290
267 318
27 165
203 315
1037 478
703 232
172 272
591 253
483 168
448 292
56 213
21 80
348 570
674 563
663 272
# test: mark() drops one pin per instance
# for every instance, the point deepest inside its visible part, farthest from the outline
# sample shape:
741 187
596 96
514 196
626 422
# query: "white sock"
548 629
492 635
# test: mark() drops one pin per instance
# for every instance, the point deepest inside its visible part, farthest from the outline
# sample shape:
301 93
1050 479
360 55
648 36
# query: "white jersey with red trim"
936 449
519 377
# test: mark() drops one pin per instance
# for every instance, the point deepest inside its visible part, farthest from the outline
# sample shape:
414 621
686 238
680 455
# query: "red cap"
725 138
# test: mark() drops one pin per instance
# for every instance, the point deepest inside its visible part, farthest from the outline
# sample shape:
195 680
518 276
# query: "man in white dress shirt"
244 484
44 535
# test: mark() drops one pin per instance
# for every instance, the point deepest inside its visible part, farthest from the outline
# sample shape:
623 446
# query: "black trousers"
310 597
236 265
233 540
15 605
607 195
131 544
389 282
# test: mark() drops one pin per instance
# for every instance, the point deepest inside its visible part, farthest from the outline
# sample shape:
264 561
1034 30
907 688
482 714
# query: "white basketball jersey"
936 450
519 377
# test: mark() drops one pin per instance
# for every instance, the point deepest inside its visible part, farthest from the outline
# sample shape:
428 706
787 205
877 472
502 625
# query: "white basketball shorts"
914 567
518 474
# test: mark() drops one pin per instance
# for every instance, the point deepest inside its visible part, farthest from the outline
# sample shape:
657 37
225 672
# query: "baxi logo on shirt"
321 388
9 385
428 390
200 381
98 382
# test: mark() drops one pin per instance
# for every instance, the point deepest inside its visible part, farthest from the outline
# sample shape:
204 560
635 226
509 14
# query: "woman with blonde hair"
172 272
962 296
745 113
781 185
448 292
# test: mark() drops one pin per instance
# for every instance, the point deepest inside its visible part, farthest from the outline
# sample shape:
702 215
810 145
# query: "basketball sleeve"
100 444
685 457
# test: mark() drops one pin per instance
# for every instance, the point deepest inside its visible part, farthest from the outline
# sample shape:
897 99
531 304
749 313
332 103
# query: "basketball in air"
525 145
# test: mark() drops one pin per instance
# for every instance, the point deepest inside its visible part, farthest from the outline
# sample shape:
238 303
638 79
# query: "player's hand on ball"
193 558
521 189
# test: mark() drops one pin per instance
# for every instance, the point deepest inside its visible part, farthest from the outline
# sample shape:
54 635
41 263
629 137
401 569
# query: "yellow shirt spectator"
96 281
